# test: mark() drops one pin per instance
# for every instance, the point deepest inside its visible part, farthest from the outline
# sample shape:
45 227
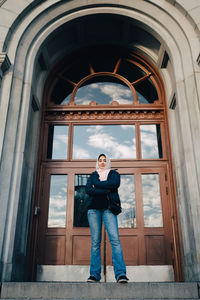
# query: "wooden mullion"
91 69
117 66
140 219
69 219
163 140
141 79
44 140
138 141
70 141
139 201
67 80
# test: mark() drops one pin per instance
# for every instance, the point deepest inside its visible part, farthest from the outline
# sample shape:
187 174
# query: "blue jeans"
95 219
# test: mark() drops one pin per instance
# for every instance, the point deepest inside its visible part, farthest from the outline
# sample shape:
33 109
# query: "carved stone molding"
104 115
4 62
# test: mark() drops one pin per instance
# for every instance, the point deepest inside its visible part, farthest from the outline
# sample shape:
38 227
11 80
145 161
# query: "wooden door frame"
91 114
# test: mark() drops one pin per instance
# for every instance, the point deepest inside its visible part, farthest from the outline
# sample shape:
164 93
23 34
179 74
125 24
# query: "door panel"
155 250
81 249
130 248
54 250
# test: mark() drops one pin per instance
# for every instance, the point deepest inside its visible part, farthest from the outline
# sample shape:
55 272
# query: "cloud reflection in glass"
104 93
57 201
151 200
57 142
117 141
151 141
127 219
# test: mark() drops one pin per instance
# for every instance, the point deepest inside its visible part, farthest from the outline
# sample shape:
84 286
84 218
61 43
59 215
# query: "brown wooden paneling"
155 250
81 250
130 249
54 250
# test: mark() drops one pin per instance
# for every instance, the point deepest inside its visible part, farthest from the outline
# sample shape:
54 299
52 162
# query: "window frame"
138 145
130 57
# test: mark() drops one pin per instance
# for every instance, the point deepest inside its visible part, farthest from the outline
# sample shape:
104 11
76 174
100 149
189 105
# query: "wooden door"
143 224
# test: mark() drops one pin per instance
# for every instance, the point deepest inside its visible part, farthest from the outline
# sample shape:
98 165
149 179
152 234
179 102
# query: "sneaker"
122 279
92 279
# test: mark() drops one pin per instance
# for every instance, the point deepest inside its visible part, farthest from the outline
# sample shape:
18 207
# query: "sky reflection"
127 219
60 142
104 93
149 141
57 201
118 141
152 200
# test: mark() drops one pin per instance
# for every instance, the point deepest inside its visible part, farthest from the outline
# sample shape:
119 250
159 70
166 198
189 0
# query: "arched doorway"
104 99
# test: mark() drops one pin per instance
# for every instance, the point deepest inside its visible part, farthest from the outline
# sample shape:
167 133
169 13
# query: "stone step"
111 291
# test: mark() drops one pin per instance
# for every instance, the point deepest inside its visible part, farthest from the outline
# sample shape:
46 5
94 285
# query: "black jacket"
98 190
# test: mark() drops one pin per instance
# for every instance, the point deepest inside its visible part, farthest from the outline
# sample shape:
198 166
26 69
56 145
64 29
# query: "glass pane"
61 92
152 200
80 199
130 71
127 195
151 141
57 142
142 99
65 101
57 201
104 92
117 141
146 92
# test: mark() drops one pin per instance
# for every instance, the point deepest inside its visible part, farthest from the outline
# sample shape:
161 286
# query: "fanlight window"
104 91
104 79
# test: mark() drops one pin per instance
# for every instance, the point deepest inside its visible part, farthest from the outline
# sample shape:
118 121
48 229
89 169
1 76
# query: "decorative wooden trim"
104 115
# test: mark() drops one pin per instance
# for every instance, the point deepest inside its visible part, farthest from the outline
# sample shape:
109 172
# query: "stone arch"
23 44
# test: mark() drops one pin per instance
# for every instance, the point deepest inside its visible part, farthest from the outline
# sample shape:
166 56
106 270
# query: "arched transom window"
105 76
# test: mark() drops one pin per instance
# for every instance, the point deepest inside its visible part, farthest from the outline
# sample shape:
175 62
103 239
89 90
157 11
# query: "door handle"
36 210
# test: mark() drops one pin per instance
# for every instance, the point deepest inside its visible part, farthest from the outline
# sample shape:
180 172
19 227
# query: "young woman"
102 184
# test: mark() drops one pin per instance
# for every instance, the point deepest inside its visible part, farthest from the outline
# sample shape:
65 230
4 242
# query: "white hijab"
103 174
